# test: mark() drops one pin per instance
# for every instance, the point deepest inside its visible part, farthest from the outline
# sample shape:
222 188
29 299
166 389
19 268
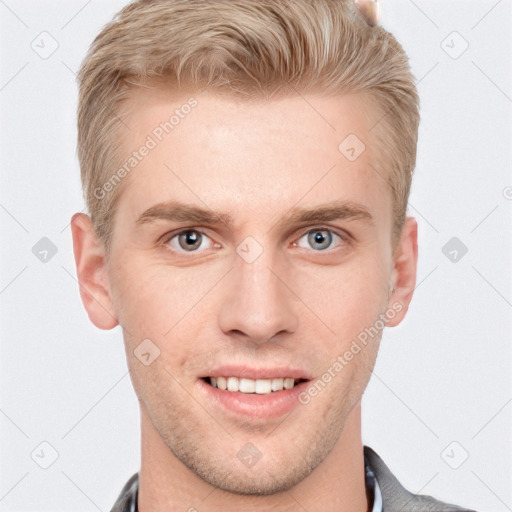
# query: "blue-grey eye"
319 238
189 241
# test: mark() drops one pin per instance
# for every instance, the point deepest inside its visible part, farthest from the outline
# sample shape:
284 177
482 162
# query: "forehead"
242 155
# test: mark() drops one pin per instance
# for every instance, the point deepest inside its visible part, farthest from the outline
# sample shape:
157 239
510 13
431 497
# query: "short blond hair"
246 47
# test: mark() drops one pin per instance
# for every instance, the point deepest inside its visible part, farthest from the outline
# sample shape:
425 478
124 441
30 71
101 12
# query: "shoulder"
396 498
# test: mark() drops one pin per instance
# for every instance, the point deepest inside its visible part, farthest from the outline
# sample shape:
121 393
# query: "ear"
91 270
403 279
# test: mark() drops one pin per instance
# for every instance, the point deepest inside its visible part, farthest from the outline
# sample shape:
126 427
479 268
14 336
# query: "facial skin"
301 303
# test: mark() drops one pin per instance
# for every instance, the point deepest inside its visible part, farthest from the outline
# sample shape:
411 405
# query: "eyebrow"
176 211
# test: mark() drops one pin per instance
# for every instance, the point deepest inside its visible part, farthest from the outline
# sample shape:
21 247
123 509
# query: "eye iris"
192 240
316 237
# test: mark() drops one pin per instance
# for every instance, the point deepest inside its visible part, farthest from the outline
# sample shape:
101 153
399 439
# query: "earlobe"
404 271
91 271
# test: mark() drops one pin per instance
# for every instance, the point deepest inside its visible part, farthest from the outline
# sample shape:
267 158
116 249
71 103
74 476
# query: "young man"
247 166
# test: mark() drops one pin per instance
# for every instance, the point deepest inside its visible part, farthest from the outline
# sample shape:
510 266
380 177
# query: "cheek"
168 305
154 297
346 298
164 303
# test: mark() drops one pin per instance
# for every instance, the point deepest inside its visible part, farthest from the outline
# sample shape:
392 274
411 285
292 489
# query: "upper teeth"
260 386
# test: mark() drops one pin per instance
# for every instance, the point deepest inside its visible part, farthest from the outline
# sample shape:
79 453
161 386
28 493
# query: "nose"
258 305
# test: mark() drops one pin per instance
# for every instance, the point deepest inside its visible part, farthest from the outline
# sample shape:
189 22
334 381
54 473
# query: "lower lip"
271 405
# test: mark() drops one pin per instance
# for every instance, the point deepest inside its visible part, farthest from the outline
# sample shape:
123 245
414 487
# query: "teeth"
233 384
288 383
263 386
247 386
277 384
259 386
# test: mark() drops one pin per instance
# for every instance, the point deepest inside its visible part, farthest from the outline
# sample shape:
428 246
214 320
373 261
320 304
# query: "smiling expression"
246 245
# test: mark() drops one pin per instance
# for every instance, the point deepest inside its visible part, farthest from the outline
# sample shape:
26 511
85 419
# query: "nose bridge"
258 304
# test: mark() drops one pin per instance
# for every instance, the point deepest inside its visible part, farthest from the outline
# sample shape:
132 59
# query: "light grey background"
441 389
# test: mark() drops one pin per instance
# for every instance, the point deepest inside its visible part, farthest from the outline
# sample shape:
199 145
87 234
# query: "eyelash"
345 238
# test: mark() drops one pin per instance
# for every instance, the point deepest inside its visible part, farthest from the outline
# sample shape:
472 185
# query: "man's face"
257 293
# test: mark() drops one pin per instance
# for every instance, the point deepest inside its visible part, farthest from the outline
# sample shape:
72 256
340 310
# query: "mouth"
265 396
253 386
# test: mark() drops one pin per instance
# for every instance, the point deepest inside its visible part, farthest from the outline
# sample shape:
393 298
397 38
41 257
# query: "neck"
337 484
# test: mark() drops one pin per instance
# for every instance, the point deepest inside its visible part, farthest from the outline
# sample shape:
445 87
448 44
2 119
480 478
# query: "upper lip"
248 372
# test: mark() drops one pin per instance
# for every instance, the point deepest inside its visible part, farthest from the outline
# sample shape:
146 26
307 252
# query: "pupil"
319 237
191 239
